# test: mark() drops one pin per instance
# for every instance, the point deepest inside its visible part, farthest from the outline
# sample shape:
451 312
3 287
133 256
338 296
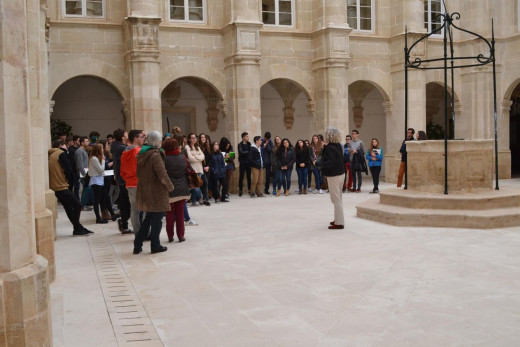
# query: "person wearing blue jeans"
303 159
286 158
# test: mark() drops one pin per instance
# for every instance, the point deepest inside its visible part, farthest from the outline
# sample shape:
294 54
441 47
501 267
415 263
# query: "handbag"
86 179
194 181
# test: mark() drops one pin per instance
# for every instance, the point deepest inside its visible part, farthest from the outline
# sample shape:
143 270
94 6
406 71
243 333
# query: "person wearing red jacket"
129 172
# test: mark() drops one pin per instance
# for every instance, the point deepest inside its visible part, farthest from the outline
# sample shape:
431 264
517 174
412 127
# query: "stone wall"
470 165
319 53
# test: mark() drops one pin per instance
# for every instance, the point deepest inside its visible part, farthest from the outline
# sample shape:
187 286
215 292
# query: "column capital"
505 105
388 106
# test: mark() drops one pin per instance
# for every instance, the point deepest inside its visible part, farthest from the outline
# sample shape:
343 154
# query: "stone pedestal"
25 319
470 165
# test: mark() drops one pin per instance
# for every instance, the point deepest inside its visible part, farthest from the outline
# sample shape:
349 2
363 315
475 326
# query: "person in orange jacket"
129 172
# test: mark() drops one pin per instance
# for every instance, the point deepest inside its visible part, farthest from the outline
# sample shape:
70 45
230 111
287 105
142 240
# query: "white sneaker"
316 191
321 191
297 190
309 190
191 222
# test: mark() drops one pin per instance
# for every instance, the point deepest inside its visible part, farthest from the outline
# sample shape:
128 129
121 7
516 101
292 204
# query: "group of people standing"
279 158
266 157
147 167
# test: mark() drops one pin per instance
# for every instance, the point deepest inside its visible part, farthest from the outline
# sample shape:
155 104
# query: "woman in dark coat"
286 158
218 173
175 164
334 169
226 147
152 192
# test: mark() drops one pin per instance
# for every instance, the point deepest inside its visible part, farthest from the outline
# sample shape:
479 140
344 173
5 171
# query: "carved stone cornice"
243 59
505 105
330 62
142 38
388 106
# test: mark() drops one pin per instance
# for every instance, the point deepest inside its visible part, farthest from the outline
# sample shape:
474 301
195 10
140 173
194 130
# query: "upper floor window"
432 11
360 14
84 8
278 12
187 10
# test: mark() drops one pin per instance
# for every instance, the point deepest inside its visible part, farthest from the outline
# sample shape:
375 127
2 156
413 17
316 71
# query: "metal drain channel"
131 324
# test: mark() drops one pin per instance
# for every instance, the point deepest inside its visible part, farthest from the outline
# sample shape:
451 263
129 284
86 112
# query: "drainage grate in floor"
131 324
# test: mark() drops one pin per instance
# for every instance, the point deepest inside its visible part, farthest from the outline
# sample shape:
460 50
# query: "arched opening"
435 128
286 110
89 103
367 113
194 105
514 132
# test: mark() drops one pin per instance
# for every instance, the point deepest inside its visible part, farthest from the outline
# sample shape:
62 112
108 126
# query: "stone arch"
450 89
87 103
510 89
202 71
284 71
377 78
89 67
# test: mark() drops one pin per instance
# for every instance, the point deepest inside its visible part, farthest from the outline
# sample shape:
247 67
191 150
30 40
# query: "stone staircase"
480 210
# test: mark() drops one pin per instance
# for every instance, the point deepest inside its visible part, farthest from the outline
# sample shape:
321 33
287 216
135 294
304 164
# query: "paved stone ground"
268 272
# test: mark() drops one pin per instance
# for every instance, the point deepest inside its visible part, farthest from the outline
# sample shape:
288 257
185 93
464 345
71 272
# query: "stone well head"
470 165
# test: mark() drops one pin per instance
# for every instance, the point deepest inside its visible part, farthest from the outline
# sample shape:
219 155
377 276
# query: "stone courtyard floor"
268 272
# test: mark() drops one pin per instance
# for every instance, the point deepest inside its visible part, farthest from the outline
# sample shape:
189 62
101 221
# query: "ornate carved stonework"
247 59
124 109
172 93
288 117
288 92
142 38
388 105
358 116
213 118
223 108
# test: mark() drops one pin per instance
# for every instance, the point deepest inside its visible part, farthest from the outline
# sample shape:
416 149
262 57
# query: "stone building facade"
292 67
221 67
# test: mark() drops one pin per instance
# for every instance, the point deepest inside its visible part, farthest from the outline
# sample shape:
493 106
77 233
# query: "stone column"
477 121
330 44
243 69
24 286
138 8
142 59
413 16
504 153
40 129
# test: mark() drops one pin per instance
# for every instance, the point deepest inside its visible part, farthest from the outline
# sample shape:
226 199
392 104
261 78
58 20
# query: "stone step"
484 200
404 216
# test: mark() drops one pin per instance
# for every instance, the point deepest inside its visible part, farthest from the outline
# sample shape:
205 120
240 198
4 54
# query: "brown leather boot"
305 191
278 192
106 215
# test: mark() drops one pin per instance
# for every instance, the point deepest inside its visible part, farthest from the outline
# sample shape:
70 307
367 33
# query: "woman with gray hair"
152 192
334 169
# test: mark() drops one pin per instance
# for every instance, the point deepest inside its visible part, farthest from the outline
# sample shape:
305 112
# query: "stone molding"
246 48
505 105
142 39
331 47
